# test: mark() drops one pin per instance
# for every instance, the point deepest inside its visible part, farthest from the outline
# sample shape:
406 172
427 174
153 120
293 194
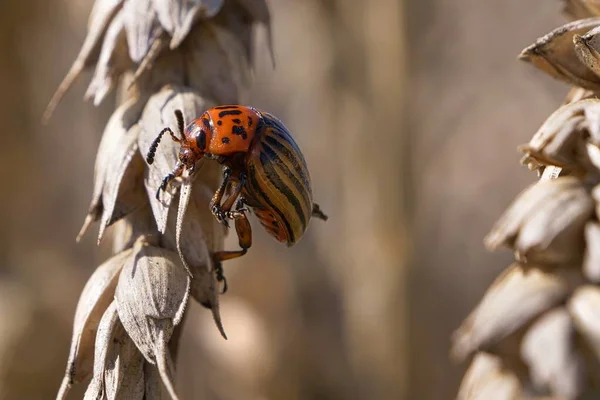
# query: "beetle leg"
215 202
244 233
165 182
239 211
233 198
316 212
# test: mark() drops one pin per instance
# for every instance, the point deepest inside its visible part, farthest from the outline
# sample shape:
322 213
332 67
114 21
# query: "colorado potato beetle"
263 169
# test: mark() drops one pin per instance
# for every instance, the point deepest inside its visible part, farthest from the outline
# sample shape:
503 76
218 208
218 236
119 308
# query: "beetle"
263 169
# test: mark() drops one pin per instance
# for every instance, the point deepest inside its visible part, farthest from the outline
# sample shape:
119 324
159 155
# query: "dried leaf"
224 79
196 234
591 261
518 295
93 302
141 27
124 370
545 223
155 390
151 297
549 349
555 55
104 341
158 114
487 379
123 190
177 16
102 14
112 63
584 307
165 366
116 129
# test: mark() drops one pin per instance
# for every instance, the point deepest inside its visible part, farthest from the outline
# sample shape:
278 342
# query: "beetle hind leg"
244 233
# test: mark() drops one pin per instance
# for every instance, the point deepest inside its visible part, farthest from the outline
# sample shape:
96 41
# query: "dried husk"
116 139
550 351
517 296
113 60
554 54
488 379
94 300
104 341
124 370
194 246
101 15
545 223
584 307
591 262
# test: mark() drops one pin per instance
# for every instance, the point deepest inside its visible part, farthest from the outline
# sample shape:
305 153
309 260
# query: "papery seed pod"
555 141
124 369
113 60
488 379
591 262
93 302
584 307
102 14
151 296
104 341
554 54
194 247
116 139
518 295
545 223
549 349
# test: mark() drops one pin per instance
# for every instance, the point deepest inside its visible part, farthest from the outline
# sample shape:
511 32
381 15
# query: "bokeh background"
408 112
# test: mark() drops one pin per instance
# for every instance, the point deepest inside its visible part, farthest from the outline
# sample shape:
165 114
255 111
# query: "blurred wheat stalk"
160 55
536 332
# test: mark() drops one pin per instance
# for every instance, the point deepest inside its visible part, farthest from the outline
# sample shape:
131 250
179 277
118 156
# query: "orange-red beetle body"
263 169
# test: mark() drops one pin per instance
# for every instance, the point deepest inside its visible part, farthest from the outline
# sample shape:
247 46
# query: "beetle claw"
220 276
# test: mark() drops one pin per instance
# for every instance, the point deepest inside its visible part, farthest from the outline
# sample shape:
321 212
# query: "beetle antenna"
154 145
180 122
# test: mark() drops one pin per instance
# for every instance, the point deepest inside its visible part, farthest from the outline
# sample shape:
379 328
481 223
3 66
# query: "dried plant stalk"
162 55
536 332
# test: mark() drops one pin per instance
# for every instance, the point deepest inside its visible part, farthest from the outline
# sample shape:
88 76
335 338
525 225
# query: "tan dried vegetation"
536 332
159 55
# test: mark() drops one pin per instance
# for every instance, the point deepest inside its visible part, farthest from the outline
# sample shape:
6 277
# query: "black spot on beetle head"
219 122
225 140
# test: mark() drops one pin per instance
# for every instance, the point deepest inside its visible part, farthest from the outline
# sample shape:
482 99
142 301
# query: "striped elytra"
263 168
278 186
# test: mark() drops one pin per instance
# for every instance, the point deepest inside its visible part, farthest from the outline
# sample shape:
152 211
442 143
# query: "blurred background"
408 113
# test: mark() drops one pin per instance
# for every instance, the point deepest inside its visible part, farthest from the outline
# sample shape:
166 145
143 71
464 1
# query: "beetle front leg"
165 182
244 233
